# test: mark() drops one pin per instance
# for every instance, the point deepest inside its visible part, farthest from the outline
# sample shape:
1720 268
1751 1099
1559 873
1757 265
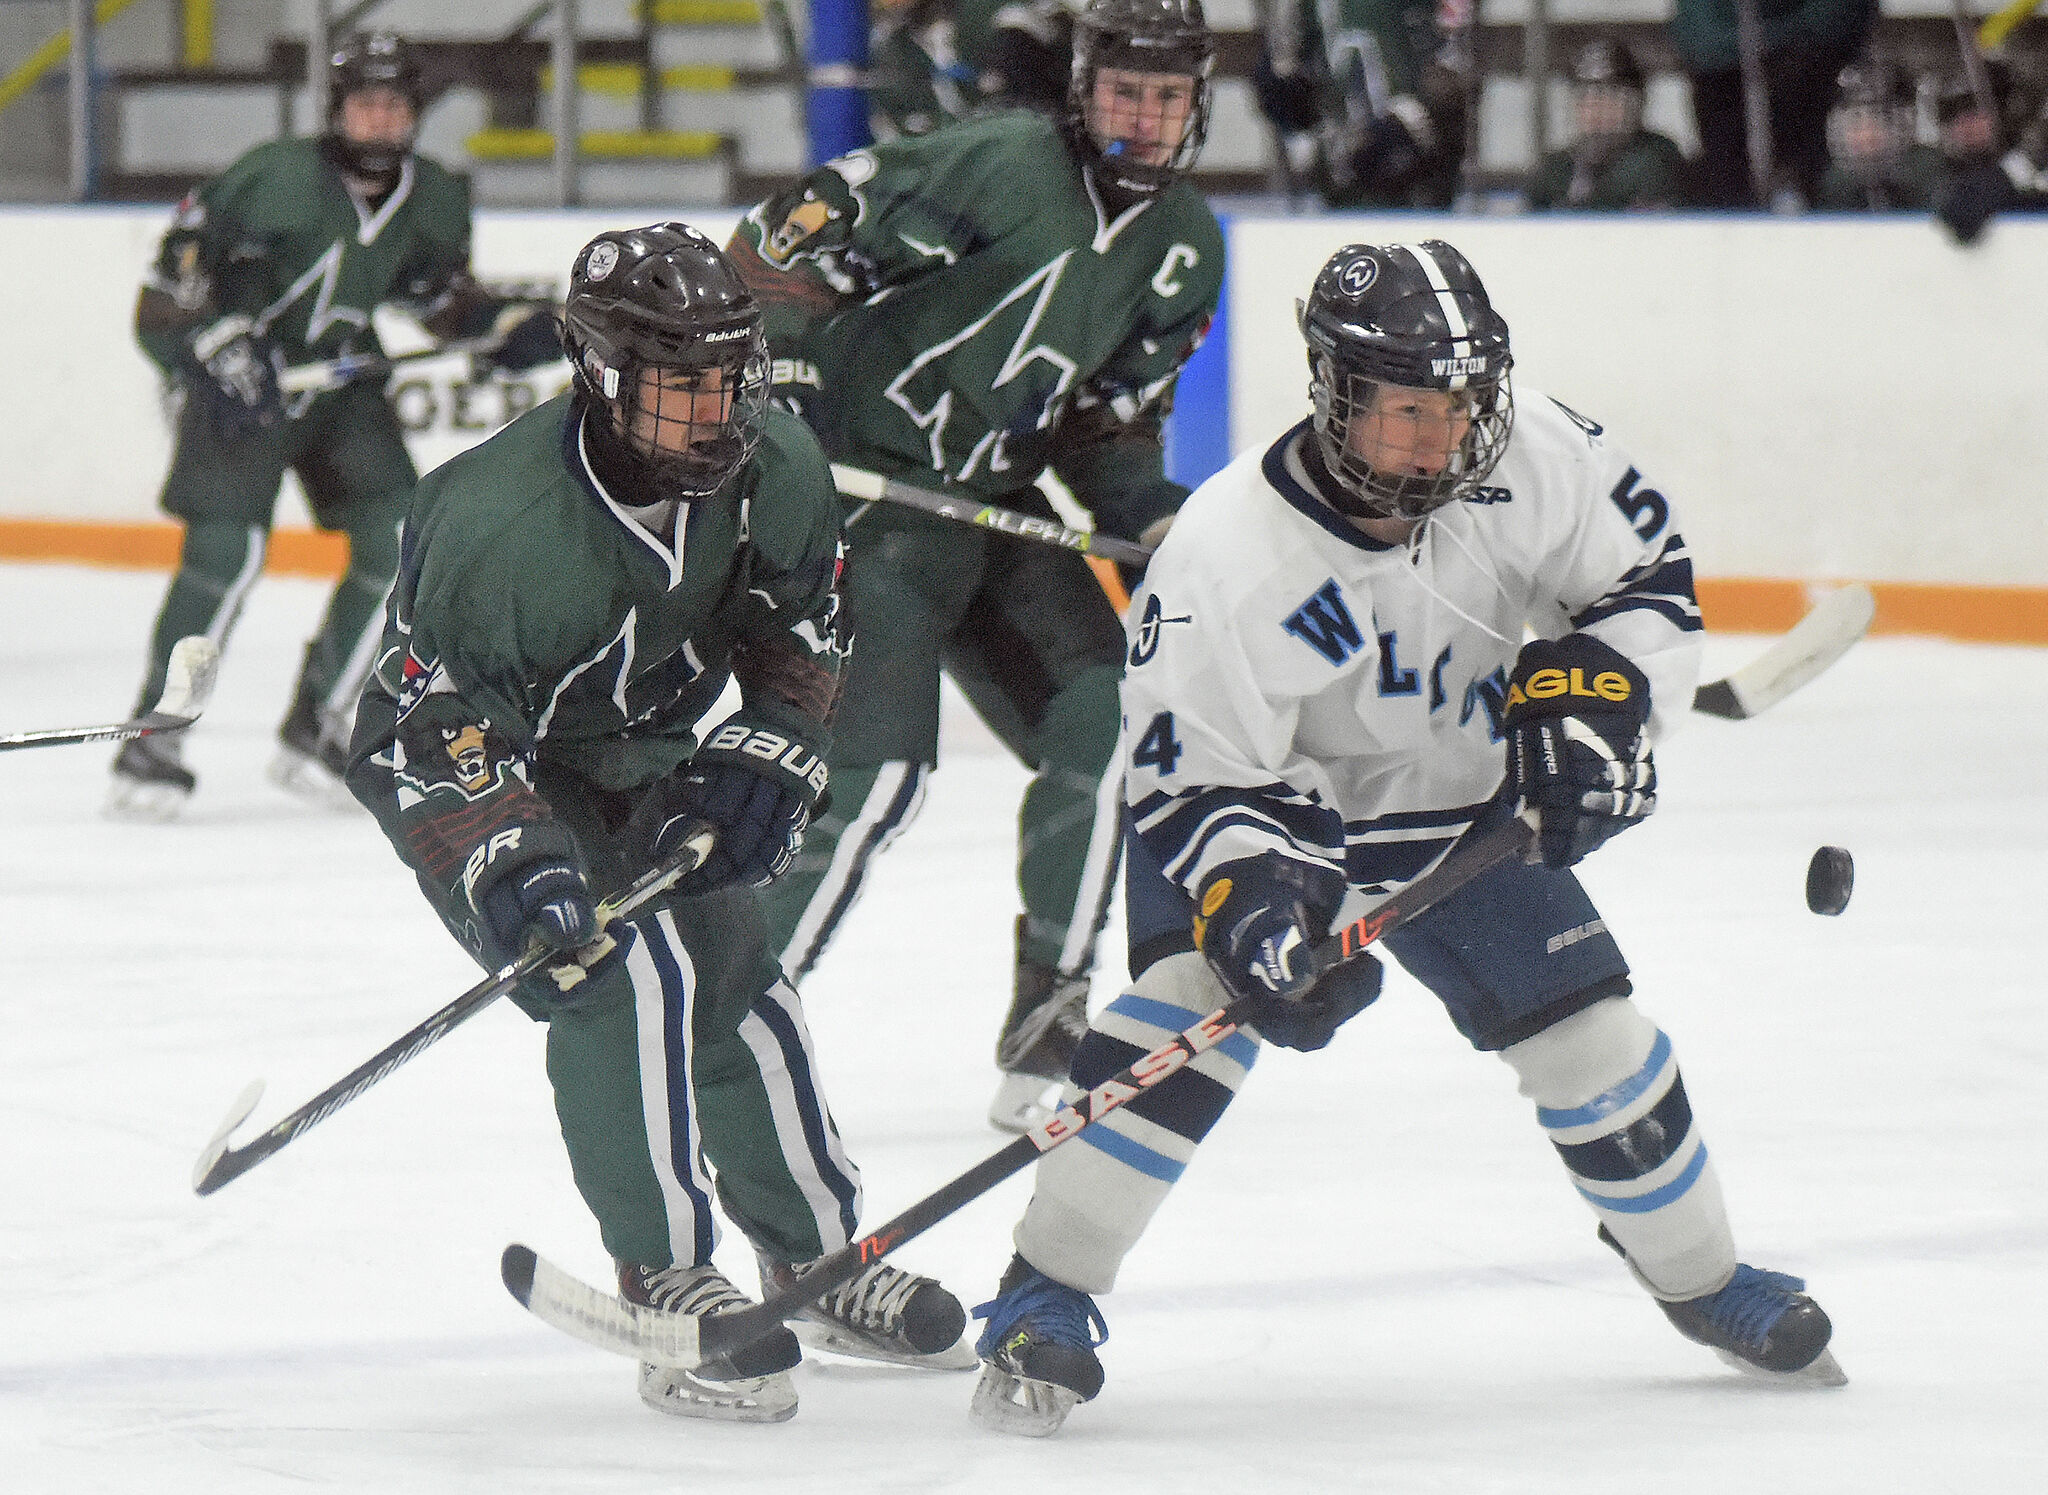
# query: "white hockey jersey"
1295 686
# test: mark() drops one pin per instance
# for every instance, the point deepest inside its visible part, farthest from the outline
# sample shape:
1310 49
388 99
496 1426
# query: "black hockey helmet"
1144 36
1607 60
1874 83
666 298
1413 316
372 59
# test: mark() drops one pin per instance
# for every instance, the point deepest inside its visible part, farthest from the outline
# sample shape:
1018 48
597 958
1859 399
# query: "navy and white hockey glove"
756 787
1577 752
526 337
235 370
543 900
1257 922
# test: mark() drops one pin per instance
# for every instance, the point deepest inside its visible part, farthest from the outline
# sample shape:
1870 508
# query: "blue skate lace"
1749 1307
1059 1315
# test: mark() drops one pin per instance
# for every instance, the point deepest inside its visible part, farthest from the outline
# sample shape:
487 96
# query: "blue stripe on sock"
1171 1019
1134 1155
1606 1104
1642 1204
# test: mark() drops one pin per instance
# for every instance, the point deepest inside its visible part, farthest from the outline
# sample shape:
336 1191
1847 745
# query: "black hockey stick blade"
219 1163
728 1331
872 487
188 685
1814 643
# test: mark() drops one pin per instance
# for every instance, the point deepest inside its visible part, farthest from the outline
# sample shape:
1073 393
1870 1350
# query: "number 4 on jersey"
1158 749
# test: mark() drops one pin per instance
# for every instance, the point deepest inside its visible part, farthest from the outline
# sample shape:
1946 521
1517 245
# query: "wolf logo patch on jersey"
803 220
465 746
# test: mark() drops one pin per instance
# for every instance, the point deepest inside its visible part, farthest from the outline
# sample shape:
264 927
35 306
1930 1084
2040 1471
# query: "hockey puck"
1829 878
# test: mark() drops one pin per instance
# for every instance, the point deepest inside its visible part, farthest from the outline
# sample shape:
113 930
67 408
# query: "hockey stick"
1816 641
678 1340
855 482
188 683
220 1164
332 373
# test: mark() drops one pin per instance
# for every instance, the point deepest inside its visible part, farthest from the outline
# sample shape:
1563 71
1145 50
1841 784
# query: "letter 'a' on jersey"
666 298
1141 36
1413 316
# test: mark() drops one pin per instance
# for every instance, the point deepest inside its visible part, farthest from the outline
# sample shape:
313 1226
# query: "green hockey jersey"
964 308
279 238
537 630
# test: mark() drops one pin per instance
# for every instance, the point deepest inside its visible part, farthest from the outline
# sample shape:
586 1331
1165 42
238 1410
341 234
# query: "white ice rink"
1375 1278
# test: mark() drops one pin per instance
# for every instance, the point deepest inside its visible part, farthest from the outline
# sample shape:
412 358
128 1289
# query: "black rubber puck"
1830 877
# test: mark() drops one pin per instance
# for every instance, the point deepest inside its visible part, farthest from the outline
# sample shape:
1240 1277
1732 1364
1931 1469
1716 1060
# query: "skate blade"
836 1339
1004 1403
1023 1102
678 1393
1822 1370
145 804
310 780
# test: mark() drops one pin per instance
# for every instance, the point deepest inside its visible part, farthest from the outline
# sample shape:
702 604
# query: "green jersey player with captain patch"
279 260
575 595
967 310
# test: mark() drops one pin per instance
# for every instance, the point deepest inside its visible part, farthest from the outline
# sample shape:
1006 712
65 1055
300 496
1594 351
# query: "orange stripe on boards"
1993 615
154 546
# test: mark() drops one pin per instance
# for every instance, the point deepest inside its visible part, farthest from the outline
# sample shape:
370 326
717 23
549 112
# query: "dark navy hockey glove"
1577 752
527 337
1257 924
234 372
755 786
544 901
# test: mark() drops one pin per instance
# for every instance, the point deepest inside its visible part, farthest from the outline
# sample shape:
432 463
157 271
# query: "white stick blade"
581 1311
188 684
217 1145
1820 638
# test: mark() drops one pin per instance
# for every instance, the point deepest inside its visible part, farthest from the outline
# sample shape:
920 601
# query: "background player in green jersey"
576 594
966 310
280 260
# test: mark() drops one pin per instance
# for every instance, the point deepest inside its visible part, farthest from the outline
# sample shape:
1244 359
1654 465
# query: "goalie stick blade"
208 1173
579 1310
1820 638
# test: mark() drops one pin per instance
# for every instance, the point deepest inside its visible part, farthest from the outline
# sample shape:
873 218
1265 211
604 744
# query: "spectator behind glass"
1613 164
1806 44
1371 96
1875 163
937 61
1992 162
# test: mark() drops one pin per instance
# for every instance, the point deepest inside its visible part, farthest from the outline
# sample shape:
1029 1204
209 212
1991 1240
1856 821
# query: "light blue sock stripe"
1608 1102
1134 1155
1171 1019
1642 1204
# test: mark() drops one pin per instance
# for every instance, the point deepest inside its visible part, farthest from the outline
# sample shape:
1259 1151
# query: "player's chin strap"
219 1163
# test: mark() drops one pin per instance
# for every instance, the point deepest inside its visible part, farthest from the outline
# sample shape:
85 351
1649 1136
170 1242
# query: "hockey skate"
151 781
312 752
1048 1018
1762 1323
750 1384
884 1314
1038 1353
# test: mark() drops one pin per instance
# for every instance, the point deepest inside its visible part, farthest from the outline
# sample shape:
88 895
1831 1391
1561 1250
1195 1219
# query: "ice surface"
1375 1278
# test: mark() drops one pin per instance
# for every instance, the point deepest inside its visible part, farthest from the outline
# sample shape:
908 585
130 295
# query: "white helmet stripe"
1454 316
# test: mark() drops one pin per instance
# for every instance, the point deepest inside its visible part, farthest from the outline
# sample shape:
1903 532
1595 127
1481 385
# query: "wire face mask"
691 429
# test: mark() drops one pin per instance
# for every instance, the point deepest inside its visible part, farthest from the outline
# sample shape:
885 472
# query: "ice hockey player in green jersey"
966 310
575 595
280 260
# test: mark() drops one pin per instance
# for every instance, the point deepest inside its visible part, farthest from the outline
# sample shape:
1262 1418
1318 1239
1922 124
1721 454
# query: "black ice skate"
1762 1323
884 1314
1048 1018
1038 1353
749 1384
312 751
151 781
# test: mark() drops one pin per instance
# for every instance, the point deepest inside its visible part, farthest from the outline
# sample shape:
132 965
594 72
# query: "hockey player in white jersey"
1327 689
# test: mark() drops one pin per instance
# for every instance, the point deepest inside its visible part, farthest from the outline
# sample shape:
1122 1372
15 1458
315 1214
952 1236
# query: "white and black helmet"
666 297
1413 316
